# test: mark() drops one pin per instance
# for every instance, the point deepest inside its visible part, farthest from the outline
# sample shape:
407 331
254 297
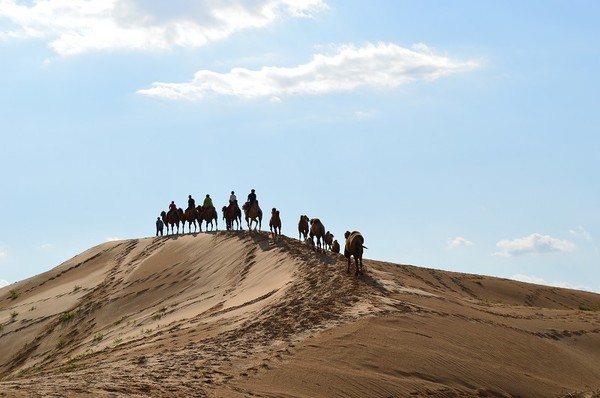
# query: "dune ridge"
241 314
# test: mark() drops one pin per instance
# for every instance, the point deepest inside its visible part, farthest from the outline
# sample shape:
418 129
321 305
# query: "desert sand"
243 314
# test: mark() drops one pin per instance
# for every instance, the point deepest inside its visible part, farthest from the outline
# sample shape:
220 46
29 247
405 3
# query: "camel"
171 220
335 246
328 239
317 229
275 222
232 213
354 247
207 215
253 214
190 216
303 227
181 215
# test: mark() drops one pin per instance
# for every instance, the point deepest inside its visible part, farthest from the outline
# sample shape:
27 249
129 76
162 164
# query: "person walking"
159 226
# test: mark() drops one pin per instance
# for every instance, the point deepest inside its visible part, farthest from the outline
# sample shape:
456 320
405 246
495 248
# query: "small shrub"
67 316
13 316
71 367
76 288
589 307
13 294
159 314
98 338
120 320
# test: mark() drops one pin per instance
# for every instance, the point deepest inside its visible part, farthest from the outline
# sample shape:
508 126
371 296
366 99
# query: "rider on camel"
208 204
173 206
232 200
191 202
251 198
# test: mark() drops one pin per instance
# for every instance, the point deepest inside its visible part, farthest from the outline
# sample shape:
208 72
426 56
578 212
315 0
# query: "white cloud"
459 241
112 239
3 253
3 283
381 65
542 281
580 232
78 26
364 115
534 243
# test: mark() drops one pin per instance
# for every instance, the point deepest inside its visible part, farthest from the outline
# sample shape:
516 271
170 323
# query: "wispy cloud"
542 281
381 65
113 239
534 243
77 26
3 283
458 242
364 115
580 232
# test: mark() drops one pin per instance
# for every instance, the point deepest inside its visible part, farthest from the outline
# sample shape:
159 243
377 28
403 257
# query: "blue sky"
455 135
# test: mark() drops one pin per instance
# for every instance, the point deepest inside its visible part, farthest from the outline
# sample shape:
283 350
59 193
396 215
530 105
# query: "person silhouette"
207 204
251 198
159 226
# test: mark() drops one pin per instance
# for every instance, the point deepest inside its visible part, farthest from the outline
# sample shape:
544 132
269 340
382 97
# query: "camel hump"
354 238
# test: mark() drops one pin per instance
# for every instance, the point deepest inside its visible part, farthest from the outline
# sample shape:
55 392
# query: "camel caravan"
194 215
309 229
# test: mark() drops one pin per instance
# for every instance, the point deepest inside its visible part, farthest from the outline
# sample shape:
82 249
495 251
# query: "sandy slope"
238 314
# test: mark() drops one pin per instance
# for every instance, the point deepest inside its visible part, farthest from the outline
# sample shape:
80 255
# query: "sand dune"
238 314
